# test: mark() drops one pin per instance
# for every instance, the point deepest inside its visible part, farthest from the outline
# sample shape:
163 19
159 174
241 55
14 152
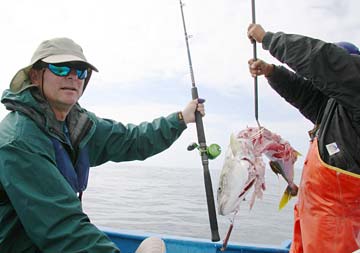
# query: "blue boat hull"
128 241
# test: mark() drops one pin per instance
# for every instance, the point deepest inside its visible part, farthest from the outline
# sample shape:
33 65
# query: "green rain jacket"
39 211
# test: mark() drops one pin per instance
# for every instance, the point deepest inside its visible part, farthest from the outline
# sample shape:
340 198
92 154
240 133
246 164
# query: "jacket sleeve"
113 141
299 92
331 69
46 205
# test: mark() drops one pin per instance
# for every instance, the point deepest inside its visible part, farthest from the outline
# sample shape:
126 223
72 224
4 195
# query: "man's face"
62 92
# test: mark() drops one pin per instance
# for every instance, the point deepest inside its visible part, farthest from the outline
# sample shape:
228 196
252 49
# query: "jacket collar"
30 102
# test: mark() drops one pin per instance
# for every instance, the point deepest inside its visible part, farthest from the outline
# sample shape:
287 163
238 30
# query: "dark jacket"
325 88
39 210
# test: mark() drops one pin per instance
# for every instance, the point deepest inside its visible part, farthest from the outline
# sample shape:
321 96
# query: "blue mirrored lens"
64 71
59 70
82 74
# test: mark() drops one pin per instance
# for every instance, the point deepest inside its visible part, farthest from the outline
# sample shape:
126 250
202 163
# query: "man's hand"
256 33
189 111
259 67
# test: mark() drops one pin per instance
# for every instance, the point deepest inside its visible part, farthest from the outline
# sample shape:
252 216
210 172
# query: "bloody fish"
244 168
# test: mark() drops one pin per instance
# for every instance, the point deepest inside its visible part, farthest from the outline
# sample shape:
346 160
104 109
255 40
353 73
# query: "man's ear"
35 76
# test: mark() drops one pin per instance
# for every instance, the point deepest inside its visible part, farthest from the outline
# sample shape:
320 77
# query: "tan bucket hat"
56 50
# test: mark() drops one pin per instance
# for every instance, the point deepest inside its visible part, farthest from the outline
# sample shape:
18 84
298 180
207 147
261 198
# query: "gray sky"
139 48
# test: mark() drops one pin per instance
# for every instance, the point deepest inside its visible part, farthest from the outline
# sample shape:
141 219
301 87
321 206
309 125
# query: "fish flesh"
237 176
244 168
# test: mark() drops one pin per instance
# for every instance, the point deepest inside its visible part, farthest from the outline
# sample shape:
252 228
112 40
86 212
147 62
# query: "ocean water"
172 201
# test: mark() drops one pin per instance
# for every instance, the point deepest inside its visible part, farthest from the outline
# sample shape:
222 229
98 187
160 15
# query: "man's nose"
73 74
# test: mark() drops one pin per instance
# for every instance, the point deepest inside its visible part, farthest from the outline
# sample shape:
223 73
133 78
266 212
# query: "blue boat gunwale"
132 238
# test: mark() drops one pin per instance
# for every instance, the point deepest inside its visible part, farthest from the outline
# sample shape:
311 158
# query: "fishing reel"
212 151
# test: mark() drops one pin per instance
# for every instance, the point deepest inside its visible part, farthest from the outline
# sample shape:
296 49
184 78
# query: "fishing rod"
206 152
255 57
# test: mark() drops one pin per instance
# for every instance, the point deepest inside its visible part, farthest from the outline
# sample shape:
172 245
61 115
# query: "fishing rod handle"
211 205
207 177
199 121
200 130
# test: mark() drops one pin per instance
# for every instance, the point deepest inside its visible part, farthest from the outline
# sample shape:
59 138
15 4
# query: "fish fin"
275 167
252 200
298 153
234 144
284 199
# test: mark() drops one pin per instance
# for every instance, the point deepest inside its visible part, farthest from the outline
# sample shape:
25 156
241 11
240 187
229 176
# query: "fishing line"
205 152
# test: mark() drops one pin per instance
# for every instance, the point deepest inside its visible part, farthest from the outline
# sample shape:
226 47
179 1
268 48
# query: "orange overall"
327 215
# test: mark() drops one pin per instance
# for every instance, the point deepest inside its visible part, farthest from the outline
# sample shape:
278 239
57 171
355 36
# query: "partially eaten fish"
244 168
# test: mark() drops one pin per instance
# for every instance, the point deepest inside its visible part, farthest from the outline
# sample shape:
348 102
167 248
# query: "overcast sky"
139 48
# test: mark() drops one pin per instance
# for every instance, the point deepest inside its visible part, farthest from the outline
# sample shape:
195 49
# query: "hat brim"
21 79
66 58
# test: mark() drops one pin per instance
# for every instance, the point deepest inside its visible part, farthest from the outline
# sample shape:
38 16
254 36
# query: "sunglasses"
65 71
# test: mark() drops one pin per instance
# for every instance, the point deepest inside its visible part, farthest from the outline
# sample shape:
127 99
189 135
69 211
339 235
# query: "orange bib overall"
327 214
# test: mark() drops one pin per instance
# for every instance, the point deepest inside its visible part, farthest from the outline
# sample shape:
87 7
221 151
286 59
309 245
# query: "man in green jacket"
48 142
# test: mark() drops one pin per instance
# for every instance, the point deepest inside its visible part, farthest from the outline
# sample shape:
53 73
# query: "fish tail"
297 153
285 198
